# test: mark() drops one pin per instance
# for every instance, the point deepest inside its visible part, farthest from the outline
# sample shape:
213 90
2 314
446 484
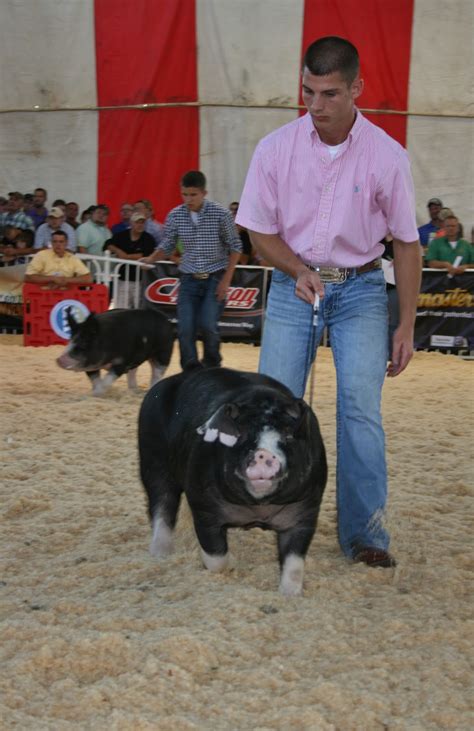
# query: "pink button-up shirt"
331 212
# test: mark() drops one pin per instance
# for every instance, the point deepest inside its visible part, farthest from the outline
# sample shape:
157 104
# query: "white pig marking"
269 439
291 583
217 563
161 544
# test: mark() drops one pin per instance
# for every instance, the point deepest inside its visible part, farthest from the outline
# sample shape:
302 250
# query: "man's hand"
221 289
308 285
402 351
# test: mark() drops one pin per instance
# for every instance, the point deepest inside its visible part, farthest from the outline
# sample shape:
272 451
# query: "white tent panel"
228 140
442 57
249 52
53 150
442 155
48 54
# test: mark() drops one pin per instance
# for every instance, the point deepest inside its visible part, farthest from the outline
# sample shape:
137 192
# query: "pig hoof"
291 583
161 544
218 563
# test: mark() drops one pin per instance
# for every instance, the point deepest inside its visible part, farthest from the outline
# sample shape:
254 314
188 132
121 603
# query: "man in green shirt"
444 252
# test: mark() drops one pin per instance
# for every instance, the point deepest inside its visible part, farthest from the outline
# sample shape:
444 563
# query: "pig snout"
263 466
65 361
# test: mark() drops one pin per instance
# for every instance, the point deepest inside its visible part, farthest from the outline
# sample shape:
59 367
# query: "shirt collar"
354 132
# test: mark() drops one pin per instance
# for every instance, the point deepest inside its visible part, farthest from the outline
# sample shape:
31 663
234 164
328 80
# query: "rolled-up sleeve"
230 237
258 204
170 234
396 199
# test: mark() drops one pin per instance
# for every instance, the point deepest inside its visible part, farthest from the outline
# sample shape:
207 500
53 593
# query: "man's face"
329 99
39 198
14 204
451 226
193 198
434 210
58 244
100 216
72 211
55 223
233 208
138 227
126 212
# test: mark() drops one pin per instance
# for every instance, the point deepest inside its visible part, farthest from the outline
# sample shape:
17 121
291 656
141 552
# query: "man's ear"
357 87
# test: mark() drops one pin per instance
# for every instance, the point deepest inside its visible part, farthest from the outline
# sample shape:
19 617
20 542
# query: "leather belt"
200 275
336 275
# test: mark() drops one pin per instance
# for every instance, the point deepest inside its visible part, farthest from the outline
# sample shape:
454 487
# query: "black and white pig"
118 341
245 451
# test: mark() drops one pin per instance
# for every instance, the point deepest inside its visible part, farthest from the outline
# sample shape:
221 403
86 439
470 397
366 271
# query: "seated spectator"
72 212
132 244
247 254
87 213
57 267
444 214
155 228
60 203
19 247
92 235
55 221
15 215
429 229
443 252
38 211
126 211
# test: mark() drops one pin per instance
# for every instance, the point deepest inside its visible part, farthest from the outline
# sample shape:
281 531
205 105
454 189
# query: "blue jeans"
198 309
355 312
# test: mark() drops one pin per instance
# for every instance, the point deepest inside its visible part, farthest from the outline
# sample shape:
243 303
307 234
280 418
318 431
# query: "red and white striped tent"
112 100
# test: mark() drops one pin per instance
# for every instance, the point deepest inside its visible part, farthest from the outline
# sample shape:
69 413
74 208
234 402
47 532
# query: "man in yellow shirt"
57 267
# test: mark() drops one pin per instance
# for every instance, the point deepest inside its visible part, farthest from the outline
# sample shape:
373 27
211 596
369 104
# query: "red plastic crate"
44 310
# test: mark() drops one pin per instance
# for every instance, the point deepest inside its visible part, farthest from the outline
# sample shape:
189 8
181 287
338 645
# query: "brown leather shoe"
374 557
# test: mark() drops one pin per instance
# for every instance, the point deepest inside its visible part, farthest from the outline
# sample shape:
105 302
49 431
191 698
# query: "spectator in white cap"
431 228
55 221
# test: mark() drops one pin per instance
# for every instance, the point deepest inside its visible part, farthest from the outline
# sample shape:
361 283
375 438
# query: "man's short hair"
42 190
330 54
60 232
194 179
16 195
59 202
102 207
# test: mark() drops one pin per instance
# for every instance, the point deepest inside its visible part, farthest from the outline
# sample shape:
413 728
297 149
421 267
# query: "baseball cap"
137 217
56 212
434 202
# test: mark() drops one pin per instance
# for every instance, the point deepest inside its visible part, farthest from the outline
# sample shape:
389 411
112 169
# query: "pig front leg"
293 545
213 541
132 379
94 378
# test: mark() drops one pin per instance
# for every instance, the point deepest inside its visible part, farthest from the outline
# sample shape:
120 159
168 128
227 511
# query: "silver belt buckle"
331 275
200 275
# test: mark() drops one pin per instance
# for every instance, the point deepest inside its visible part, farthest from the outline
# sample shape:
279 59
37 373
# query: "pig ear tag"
220 426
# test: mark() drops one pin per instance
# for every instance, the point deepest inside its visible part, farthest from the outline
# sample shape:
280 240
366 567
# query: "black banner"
243 315
445 312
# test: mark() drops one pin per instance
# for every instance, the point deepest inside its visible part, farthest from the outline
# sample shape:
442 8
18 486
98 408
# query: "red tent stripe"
146 53
381 30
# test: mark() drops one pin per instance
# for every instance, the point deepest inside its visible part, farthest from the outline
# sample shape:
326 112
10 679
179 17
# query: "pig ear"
298 411
91 325
221 425
71 321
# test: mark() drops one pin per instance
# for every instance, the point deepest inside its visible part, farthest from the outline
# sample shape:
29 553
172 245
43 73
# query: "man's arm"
276 252
58 280
224 284
407 263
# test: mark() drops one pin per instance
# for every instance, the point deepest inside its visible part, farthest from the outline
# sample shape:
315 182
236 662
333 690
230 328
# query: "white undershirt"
334 149
453 244
194 216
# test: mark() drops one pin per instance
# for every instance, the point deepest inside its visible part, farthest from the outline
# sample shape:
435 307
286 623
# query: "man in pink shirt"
320 194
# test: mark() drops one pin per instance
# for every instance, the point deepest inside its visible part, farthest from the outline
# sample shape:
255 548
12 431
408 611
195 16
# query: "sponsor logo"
58 317
164 291
450 298
448 341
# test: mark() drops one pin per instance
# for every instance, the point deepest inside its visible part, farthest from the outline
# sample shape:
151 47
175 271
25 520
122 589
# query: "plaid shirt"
207 243
18 219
